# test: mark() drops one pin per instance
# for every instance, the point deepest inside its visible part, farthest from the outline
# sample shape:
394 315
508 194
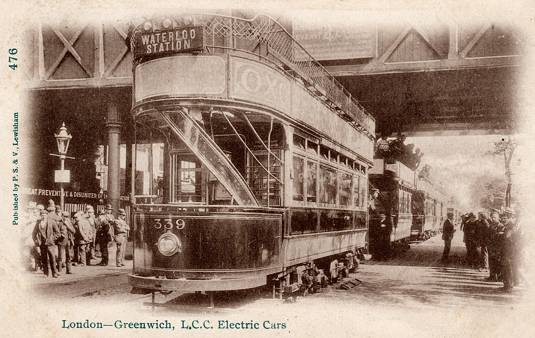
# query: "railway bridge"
441 78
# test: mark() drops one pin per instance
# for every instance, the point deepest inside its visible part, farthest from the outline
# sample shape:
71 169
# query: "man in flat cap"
121 230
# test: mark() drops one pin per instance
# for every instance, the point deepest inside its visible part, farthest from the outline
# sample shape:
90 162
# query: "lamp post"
63 138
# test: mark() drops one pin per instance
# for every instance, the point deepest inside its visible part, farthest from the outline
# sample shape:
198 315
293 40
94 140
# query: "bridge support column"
113 126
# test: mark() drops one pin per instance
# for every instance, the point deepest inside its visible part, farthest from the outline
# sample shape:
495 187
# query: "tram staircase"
210 154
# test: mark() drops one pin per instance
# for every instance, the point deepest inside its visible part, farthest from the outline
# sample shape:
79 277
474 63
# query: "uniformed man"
494 246
44 235
448 229
121 230
105 233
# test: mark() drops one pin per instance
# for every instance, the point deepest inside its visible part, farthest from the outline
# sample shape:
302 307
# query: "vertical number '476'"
12 63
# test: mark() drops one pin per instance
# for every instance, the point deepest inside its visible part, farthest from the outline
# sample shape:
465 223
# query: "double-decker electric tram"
252 160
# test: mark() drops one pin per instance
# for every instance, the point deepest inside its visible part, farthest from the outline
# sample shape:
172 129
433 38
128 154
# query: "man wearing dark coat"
482 237
105 233
469 228
448 229
494 247
44 235
65 242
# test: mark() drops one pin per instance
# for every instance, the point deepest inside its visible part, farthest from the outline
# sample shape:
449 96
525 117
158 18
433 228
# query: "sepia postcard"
275 168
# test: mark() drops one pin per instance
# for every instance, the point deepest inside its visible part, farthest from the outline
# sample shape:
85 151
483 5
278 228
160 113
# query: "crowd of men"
55 239
493 244
397 149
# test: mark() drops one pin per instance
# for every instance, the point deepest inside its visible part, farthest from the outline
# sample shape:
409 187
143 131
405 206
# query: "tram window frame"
312 147
299 142
330 200
324 153
311 199
363 192
299 179
356 191
319 157
258 179
348 200
334 156
176 171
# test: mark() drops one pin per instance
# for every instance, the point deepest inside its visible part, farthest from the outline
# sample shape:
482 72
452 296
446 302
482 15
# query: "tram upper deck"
214 61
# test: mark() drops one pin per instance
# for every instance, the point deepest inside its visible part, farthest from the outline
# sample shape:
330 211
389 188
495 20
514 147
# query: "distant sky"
458 160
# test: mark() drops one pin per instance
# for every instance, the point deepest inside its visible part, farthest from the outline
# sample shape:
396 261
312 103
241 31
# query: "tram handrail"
287 50
232 207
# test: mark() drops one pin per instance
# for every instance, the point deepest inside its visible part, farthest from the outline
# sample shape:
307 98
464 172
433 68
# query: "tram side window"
312 148
356 190
363 191
328 185
299 142
299 178
345 189
303 221
324 152
312 179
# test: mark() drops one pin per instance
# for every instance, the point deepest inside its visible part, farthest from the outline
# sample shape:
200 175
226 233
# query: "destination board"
168 41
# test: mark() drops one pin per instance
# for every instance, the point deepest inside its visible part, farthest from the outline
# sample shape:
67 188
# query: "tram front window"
186 179
149 173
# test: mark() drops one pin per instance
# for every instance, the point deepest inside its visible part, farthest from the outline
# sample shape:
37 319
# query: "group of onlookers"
493 243
397 149
55 240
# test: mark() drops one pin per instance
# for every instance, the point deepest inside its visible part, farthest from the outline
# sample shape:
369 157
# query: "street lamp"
63 138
